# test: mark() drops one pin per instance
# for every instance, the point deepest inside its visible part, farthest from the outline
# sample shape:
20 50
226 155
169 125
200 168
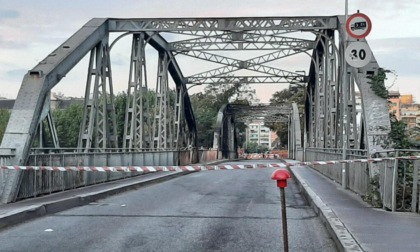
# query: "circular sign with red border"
358 25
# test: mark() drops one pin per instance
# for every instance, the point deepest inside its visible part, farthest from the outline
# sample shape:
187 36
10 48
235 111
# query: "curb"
340 234
31 212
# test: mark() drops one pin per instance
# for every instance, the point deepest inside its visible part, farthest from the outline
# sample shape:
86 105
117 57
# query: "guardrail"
395 186
6 156
400 179
112 158
37 182
357 177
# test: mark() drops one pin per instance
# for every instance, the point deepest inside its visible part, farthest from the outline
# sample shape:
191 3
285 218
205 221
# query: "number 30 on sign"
358 54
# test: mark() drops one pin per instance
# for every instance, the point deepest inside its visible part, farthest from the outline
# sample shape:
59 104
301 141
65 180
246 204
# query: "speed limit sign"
358 54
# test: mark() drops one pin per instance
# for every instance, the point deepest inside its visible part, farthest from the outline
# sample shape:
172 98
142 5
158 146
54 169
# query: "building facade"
406 99
410 114
395 104
257 132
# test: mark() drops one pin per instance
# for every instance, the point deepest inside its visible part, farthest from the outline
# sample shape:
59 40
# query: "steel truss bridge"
330 116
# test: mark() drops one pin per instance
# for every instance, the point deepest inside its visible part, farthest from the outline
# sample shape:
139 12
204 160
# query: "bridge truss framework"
330 110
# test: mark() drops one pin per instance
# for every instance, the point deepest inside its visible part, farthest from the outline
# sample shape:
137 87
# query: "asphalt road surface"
235 210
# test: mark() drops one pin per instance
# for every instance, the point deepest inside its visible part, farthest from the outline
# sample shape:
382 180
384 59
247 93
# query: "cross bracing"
245 79
254 64
330 83
269 113
198 25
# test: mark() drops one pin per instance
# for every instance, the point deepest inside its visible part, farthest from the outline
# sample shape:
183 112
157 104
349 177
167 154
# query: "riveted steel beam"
35 86
256 43
137 128
198 25
98 129
286 78
254 64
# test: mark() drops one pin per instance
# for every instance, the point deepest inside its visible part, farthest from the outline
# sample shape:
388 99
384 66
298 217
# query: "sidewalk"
354 224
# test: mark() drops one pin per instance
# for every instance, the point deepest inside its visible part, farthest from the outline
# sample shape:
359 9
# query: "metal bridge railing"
401 179
357 176
40 182
6 156
107 157
394 185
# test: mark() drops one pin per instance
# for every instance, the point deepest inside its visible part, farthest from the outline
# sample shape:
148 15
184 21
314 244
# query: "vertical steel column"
334 91
345 118
312 115
99 122
318 101
290 135
331 90
137 130
179 130
46 117
323 93
160 127
340 106
232 137
353 115
53 130
110 118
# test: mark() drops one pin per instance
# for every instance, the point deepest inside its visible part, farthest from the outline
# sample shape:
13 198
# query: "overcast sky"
30 30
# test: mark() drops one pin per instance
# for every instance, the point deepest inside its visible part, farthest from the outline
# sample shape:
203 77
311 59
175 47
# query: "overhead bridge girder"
226 133
199 25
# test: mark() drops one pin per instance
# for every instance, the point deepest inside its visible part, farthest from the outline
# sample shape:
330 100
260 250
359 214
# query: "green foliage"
289 95
399 138
253 147
4 119
67 121
120 101
374 195
207 104
398 134
286 96
377 83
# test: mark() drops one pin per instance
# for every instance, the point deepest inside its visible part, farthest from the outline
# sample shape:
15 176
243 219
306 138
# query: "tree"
287 96
120 102
67 122
4 119
399 138
207 104
251 147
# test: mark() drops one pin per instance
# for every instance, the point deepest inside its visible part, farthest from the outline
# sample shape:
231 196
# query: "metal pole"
284 219
394 184
345 108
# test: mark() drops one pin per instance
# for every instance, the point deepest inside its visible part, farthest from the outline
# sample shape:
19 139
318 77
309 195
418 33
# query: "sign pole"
345 105
346 14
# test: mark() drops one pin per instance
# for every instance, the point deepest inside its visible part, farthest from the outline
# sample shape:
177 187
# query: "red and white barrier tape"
147 169
143 169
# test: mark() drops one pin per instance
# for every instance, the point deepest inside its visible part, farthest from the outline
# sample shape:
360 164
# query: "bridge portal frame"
248 33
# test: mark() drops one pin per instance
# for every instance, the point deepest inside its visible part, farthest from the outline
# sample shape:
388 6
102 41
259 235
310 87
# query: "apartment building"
258 133
410 114
406 99
395 104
